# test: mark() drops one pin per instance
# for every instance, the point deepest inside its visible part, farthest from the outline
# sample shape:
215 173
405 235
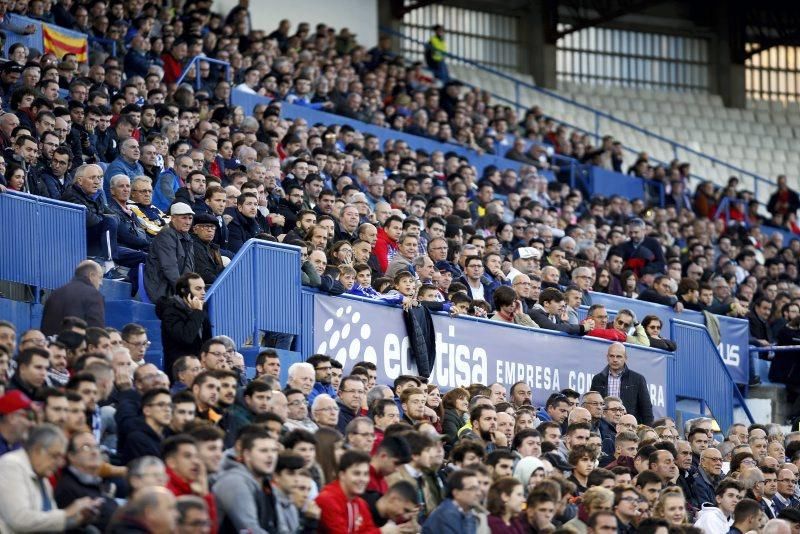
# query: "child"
347 277
362 277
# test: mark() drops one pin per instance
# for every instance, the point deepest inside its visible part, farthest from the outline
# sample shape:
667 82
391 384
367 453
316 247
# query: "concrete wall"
359 16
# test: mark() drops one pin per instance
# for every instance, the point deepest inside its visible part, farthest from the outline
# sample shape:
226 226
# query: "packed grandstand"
102 430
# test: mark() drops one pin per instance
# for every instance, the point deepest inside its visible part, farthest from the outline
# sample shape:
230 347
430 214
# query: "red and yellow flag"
60 42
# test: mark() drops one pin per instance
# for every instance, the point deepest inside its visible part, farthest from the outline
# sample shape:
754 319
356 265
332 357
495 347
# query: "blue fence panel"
607 183
734 333
704 379
48 241
259 291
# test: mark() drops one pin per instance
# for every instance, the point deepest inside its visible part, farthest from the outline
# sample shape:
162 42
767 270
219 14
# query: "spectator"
550 314
244 224
16 421
186 472
171 254
146 432
127 164
152 508
27 503
207 255
184 320
783 201
78 298
618 380
435 51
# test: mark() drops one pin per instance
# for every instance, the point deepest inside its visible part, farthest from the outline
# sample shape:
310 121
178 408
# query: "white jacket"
21 498
711 520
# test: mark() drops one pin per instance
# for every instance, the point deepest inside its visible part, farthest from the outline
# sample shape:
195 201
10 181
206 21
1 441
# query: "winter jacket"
242 503
385 249
55 187
343 516
451 422
198 204
73 485
489 287
207 260
164 189
240 229
78 298
663 344
611 334
236 417
183 330
289 212
702 488
171 255
179 487
120 166
318 388
651 295
21 499
141 440
346 414
421 338
448 518
711 520
129 232
633 392
96 211
544 320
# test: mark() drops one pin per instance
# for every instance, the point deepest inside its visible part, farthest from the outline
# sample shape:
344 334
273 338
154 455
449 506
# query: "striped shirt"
614 383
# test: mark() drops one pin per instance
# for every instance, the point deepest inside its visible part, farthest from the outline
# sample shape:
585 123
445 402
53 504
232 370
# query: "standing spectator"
184 320
784 201
80 297
618 380
435 50
171 254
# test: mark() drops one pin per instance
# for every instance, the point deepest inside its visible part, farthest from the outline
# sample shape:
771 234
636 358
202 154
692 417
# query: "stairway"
121 309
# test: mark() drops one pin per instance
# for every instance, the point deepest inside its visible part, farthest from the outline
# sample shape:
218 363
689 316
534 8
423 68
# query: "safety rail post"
197 78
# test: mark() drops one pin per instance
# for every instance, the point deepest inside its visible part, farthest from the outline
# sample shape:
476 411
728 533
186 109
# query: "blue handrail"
598 114
197 78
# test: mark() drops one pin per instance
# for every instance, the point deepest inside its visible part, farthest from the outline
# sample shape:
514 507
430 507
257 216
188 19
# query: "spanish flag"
60 41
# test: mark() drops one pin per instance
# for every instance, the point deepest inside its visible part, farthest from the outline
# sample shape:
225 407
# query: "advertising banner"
470 351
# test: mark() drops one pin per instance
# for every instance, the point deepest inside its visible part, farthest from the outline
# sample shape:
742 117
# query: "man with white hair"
129 231
325 411
582 277
301 376
101 223
777 526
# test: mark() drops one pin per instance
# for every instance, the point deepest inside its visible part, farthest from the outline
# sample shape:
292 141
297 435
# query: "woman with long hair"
504 502
434 402
671 505
603 281
330 447
455 404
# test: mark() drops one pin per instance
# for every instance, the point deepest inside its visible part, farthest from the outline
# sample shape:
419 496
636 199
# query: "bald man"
618 380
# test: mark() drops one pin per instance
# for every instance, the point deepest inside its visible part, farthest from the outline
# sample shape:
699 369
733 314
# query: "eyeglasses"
141 344
216 354
328 409
616 410
623 324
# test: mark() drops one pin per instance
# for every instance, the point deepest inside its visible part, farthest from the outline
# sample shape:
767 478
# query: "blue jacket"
489 287
164 189
702 489
318 388
120 166
136 63
448 519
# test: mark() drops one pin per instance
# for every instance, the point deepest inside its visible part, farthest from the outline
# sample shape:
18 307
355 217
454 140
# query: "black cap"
204 218
12 66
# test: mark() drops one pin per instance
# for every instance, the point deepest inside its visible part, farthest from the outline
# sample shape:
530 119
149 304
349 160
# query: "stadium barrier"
732 349
702 378
261 291
48 241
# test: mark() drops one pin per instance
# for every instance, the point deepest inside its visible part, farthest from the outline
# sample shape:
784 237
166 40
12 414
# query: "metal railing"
198 79
47 242
259 291
701 375
597 115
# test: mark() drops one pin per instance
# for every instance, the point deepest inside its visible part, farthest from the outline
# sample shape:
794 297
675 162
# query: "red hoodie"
385 249
343 516
612 334
178 486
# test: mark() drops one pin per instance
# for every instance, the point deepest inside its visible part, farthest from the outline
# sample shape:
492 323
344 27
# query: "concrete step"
776 396
115 290
133 309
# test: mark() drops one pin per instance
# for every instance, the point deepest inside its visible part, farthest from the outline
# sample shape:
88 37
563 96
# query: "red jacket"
178 486
342 516
385 249
377 482
172 68
612 334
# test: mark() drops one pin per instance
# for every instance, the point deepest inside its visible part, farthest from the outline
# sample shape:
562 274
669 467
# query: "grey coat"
171 255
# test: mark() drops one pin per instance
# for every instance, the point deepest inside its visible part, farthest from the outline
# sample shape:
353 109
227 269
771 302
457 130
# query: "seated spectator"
141 204
129 232
509 308
243 225
80 478
550 315
207 257
171 254
27 504
652 325
146 432
186 472
662 292
15 420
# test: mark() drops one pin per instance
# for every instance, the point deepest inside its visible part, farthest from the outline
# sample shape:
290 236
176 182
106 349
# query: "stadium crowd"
94 438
